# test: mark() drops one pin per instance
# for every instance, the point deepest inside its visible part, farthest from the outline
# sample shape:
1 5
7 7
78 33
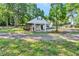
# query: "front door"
41 27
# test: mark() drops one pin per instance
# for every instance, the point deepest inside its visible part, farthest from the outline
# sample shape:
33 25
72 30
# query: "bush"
76 26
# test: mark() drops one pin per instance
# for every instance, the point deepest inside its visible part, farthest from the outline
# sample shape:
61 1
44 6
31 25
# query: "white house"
38 24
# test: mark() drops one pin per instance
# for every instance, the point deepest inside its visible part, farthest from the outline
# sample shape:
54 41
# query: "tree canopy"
18 13
14 14
61 12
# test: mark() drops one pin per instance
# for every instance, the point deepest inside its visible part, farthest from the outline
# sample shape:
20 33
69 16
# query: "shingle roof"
38 20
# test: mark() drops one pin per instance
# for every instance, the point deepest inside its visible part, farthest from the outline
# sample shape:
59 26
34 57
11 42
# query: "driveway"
26 36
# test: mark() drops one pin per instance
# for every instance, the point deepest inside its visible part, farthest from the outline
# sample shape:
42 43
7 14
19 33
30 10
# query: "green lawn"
7 30
15 47
74 33
9 47
19 30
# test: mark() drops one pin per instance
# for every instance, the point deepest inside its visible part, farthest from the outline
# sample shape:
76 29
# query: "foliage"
61 13
14 14
57 14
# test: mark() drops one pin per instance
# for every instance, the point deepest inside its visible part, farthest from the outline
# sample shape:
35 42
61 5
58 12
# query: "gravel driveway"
26 36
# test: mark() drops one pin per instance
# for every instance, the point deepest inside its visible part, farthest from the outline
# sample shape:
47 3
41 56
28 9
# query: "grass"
74 33
9 47
10 30
19 30
15 47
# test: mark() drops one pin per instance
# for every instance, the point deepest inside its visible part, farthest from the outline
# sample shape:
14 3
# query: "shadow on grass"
17 47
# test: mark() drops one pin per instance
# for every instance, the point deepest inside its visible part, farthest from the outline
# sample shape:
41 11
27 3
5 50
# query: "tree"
57 14
14 14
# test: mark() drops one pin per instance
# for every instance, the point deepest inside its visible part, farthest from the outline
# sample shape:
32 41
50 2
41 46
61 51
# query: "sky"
45 7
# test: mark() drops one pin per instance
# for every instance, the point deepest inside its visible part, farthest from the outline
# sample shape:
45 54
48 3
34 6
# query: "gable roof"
38 20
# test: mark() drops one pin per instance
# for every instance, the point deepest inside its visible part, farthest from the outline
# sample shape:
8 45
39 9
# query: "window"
39 18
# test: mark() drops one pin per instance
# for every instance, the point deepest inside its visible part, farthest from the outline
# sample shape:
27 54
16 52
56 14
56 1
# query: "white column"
45 27
34 27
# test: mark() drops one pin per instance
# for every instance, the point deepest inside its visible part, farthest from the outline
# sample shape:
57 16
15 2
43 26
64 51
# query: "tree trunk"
56 26
15 21
6 21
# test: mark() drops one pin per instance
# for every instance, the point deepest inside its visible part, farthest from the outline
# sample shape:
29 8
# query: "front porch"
37 27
